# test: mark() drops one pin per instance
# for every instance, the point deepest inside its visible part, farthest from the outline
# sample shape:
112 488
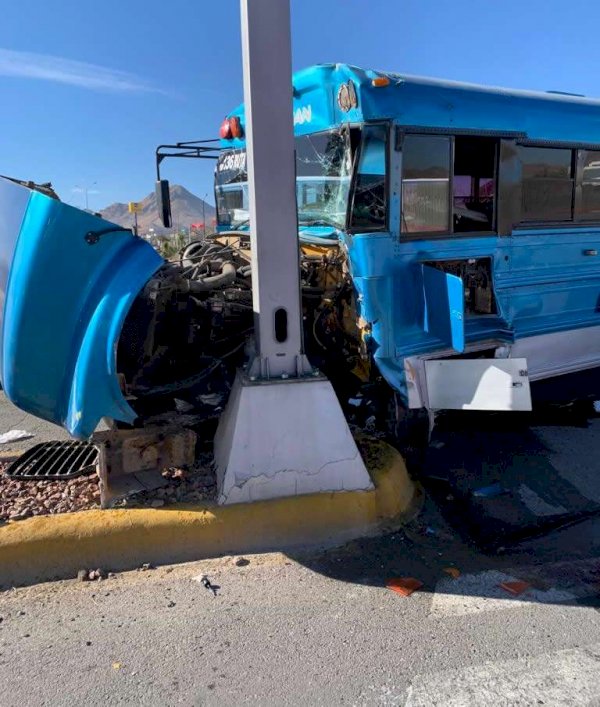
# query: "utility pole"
203 217
134 207
86 189
283 432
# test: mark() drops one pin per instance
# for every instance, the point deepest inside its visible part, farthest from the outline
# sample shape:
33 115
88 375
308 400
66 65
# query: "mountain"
186 208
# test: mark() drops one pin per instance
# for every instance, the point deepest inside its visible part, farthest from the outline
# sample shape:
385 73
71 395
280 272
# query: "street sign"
134 207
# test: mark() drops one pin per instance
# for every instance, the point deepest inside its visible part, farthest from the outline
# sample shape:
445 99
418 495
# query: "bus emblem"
347 97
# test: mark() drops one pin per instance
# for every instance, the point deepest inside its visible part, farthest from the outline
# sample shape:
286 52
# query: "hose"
195 250
224 278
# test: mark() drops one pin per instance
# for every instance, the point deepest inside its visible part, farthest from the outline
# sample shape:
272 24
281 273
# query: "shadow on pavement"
497 509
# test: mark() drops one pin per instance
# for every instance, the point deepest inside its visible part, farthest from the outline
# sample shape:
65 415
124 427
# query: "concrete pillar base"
285 438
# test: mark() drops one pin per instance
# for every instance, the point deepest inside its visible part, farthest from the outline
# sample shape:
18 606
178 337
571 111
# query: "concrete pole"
283 432
266 53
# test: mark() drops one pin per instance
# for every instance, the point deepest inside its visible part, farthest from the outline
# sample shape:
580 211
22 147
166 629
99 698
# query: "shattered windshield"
323 167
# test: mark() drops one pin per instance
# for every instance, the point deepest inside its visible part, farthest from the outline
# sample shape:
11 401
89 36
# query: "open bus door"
444 307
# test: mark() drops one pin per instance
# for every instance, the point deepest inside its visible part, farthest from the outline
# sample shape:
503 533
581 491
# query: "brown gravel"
23 499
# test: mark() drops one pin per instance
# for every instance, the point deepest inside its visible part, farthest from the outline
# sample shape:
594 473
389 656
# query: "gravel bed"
23 499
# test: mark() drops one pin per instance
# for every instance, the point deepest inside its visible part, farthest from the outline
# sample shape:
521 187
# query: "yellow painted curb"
53 547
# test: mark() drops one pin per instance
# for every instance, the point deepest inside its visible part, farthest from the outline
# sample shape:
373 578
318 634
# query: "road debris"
145 567
454 572
85 575
404 586
491 491
205 582
241 562
15 436
515 588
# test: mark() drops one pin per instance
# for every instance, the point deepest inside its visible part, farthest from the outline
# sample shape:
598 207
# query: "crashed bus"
448 240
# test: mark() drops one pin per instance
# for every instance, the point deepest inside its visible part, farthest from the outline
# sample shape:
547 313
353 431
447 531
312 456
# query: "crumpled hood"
63 301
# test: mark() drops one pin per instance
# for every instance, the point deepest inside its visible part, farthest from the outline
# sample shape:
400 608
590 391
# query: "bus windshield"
323 167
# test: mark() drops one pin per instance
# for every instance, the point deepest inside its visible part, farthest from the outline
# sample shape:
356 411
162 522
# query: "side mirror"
163 202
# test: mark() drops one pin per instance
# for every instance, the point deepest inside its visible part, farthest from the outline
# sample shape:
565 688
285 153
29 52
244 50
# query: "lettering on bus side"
232 161
303 115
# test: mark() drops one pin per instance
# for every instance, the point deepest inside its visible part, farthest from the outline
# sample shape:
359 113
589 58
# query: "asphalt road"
11 418
322 628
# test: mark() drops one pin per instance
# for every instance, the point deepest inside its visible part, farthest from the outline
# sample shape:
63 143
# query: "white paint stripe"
477 593
567 677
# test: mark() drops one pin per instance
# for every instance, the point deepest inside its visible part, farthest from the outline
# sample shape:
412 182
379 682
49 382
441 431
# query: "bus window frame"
576 222
578 199
426 235
500 136
354 230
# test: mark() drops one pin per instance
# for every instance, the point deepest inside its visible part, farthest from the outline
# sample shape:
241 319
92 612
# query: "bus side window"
369 206
589 179
474 183
548 183
426 184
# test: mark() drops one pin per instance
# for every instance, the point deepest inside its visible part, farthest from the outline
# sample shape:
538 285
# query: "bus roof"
329 95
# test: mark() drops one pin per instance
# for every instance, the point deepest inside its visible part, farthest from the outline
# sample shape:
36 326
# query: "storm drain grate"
55 460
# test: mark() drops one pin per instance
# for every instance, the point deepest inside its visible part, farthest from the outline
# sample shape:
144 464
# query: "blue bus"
449 237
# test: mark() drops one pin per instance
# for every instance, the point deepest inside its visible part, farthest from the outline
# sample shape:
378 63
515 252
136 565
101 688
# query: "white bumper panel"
556 354
478 384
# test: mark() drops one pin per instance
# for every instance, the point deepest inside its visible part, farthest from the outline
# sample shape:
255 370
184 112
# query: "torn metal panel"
132 460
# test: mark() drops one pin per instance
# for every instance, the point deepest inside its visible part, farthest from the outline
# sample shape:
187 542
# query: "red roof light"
231 128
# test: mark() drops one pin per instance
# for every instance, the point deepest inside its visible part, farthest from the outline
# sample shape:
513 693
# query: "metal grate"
55 460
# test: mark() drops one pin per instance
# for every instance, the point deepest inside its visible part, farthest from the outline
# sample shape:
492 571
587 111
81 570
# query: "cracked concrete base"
285 438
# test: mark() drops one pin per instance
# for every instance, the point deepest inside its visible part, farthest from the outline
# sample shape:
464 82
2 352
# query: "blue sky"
88 89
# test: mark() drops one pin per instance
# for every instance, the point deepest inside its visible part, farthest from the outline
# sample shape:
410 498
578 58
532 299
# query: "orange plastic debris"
404 586
454 572
515 588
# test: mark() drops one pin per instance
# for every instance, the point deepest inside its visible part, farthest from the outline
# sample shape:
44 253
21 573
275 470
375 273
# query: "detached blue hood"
63 303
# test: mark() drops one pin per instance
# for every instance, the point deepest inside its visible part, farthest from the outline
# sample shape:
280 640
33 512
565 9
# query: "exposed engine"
191 328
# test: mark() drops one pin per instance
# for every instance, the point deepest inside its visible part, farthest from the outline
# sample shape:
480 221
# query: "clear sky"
88 88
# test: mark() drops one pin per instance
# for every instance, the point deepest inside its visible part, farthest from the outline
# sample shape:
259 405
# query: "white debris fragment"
537 505
183 406
14 436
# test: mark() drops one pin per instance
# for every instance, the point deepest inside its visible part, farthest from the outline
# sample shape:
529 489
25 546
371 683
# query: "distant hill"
186 208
